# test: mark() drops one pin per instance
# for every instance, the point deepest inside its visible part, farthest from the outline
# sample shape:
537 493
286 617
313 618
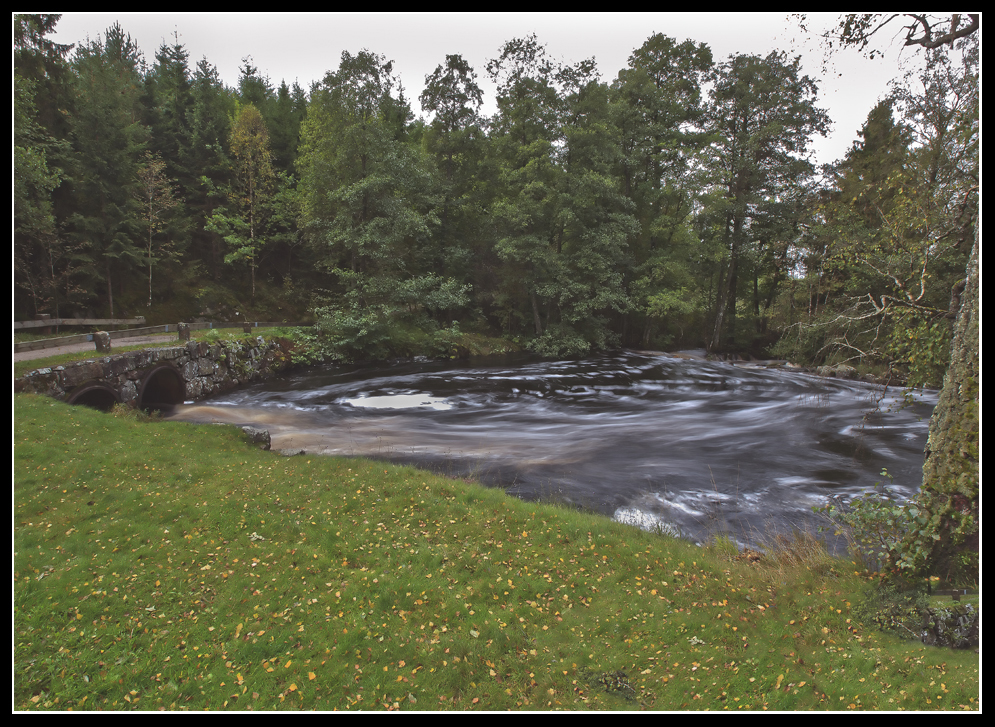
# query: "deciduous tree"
242 224
157 196
659 112
763 113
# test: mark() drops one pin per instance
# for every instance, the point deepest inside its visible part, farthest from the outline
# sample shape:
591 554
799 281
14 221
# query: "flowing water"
689 446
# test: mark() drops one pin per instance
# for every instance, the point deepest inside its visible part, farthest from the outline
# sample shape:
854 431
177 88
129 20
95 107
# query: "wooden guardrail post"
47 330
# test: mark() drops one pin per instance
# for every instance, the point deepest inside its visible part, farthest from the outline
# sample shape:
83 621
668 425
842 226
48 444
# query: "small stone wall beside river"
160 375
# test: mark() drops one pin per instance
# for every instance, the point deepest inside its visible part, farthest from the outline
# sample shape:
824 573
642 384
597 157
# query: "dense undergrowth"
163 565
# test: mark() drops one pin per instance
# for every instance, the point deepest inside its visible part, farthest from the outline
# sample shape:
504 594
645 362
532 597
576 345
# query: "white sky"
303 47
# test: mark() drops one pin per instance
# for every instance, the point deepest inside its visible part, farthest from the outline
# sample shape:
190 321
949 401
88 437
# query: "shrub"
907 612
896 538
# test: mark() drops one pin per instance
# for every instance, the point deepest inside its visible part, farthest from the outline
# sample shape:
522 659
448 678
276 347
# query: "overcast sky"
303 47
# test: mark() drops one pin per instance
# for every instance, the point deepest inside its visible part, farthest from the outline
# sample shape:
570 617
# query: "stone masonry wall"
205 368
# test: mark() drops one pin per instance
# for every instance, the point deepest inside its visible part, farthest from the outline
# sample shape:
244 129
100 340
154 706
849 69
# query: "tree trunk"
727 302
535 314
950 488
150 264
110 286
727 291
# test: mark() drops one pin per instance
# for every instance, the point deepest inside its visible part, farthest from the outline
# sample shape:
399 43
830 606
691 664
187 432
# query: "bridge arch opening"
162 386
95 396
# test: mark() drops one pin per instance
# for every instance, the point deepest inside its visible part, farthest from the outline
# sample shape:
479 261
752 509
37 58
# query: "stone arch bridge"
158 377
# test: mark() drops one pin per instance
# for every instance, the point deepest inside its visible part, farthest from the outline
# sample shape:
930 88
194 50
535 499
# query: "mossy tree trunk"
950 489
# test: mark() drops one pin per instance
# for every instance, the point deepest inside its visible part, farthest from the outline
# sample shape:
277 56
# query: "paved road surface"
46 352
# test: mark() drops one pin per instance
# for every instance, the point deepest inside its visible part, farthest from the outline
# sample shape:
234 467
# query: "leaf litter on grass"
205 574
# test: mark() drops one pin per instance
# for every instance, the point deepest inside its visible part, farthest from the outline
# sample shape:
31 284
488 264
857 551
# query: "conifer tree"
108 142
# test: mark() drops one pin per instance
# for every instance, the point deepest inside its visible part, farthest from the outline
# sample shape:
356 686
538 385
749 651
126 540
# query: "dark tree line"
675 205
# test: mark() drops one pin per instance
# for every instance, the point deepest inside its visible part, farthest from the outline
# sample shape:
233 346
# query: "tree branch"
928 41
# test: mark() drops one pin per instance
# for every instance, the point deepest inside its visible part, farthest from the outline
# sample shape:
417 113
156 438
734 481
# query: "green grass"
163 565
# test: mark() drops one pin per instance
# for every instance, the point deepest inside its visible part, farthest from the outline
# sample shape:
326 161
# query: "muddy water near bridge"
692 446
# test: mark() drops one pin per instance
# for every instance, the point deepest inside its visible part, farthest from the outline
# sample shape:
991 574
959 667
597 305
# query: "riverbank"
161 565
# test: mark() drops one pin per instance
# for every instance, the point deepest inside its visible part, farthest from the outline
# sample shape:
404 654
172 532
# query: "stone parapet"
154 376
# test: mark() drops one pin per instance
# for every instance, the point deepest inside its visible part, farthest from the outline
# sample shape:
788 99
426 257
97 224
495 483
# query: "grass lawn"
164 565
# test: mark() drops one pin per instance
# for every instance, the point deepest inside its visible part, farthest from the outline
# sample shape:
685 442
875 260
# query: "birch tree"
156 193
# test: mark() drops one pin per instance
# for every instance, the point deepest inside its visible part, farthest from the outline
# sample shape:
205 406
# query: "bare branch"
926 40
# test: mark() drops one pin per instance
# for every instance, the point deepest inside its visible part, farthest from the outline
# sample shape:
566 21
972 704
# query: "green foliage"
896 610
896 537
896 226
39 258
157 196
108 141
763 115
874 525
560 341
244 222
922 348
380 318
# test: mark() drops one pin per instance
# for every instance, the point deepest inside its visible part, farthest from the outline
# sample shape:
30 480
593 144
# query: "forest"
674 206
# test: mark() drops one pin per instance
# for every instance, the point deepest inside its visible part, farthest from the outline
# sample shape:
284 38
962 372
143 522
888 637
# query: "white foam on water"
401 401
646 521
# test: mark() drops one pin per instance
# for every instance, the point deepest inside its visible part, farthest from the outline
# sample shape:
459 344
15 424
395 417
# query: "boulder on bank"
258 436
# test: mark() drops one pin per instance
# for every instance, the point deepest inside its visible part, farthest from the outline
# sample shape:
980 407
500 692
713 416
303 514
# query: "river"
688 446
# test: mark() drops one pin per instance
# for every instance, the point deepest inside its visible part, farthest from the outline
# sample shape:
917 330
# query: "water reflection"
680 445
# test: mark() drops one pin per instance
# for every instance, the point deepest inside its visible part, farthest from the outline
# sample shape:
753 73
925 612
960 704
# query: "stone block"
102 341
129 392
76 375
122 364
